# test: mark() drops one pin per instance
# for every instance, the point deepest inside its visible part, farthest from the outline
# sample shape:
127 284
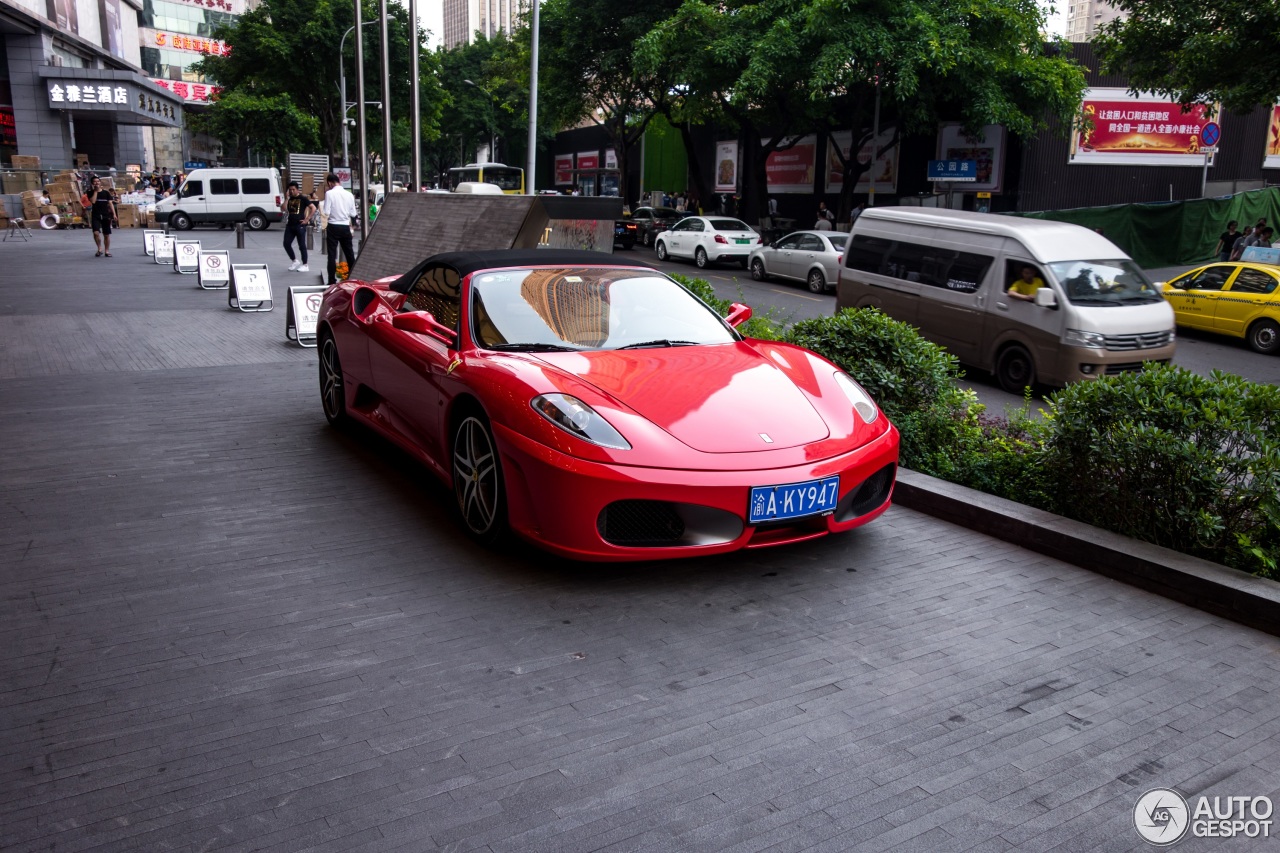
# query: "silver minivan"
1029 300
224 196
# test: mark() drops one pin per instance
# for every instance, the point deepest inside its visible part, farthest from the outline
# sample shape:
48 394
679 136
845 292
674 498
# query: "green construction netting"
1173 233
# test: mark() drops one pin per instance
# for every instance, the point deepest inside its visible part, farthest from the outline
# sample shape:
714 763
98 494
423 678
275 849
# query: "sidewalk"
230 627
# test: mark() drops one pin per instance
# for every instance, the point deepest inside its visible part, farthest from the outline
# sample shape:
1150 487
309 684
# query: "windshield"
1104 282
506 177
589 309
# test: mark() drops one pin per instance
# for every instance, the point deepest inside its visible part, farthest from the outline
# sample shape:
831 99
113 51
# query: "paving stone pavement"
229 627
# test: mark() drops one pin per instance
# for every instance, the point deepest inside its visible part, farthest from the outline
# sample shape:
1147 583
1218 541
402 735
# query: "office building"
465 19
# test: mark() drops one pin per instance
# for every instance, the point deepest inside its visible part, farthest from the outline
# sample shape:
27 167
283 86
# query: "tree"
789 67
1197 53
586 49
270 124
289 49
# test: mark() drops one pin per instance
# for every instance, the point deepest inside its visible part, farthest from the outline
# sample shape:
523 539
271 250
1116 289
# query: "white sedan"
708 239
809 256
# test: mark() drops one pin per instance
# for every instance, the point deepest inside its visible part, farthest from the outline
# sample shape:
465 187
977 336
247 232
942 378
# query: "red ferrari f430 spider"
600 410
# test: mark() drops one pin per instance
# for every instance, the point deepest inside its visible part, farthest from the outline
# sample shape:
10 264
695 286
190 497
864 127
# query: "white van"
224 196
1081 307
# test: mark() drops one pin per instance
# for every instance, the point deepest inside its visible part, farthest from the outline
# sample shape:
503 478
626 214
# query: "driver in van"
1024 287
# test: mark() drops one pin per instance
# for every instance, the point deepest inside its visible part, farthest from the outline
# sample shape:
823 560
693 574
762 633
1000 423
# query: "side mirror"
422 323
1046 298
738 314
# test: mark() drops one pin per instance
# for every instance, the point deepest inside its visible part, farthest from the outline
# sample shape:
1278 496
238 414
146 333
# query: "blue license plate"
793 500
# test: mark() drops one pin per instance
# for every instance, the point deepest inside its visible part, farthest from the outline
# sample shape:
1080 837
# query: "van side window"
257 186
224 186
936 267
191 189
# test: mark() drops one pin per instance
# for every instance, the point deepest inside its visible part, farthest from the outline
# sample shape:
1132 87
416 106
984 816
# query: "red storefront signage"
791 170
200 93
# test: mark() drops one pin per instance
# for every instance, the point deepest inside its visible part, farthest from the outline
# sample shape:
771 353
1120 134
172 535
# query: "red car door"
408 370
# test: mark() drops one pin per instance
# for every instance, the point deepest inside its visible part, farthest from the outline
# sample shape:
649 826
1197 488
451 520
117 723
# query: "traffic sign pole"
1210 136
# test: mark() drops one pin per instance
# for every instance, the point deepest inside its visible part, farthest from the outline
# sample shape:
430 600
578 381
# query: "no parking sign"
303 314
250 288
215 269
186 256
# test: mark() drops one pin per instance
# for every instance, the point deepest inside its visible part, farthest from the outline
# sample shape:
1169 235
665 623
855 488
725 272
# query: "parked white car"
810 256
708 239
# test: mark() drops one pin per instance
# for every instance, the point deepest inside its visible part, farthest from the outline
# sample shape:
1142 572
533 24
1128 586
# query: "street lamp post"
342 84
360 120
493 138
531 158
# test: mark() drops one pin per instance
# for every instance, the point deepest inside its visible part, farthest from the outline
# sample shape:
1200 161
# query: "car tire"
700 258
257 221
1264 337
1015 370
648 239
817 281
179 221
332 385
478 487
662 251
757 270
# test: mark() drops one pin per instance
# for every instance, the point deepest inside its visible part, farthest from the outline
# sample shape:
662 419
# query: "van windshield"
1117 282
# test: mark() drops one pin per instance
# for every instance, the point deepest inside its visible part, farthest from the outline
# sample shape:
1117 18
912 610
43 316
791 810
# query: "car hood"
716 399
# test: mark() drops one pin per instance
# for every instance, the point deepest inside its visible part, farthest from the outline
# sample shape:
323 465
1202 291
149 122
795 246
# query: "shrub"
912 379
1185 461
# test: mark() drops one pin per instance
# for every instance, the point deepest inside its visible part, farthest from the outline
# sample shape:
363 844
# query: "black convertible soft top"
462 264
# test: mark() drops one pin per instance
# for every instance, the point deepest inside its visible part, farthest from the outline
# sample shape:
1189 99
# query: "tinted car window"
256 186
1212 278
788 242
224 186
937 267
191 189
1253 281
838 240
729 225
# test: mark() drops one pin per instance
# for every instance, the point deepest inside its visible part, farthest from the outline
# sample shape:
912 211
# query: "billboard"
792 170
564 169
1138 130
985 148
884 171
1271 159
726 167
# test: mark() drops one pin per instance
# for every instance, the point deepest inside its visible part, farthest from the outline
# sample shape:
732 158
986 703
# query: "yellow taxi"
1239 298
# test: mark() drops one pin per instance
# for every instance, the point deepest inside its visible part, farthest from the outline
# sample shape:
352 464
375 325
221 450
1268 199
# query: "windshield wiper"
1093 300
1140 299
660 342
531 348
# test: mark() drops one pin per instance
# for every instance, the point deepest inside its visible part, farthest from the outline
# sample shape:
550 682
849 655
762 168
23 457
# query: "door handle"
1003 306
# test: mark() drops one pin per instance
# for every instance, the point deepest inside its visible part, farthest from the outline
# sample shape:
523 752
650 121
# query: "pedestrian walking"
339 208
103 216
1241 243
824 221
298 211
1227 241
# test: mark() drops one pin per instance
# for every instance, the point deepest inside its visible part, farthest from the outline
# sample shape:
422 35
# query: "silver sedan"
810 256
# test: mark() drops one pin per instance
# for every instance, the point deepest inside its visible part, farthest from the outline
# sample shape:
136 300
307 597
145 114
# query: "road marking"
797 295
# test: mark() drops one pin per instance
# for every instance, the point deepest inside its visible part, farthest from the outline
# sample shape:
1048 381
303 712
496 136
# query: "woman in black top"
102 217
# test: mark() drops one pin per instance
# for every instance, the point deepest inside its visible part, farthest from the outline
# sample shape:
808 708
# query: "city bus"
510 179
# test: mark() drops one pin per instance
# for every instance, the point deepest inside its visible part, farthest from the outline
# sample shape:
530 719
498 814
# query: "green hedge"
1164 455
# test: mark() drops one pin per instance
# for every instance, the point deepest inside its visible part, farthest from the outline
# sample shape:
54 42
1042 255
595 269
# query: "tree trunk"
701 188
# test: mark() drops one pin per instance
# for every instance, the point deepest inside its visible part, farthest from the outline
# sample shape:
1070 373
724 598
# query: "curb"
1216 589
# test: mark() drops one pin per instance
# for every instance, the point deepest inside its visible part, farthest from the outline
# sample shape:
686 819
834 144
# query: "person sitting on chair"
1025 286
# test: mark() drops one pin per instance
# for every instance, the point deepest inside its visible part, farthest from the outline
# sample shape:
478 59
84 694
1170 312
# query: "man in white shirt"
340 208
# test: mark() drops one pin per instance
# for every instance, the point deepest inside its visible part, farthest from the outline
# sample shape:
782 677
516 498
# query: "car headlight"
578 419
861 400
1085 339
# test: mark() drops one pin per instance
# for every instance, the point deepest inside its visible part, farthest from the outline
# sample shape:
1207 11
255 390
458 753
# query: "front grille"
1148 340
873 492
639 524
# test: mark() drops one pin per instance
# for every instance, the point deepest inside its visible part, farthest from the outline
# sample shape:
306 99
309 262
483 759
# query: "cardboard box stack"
31 205
25 176
128 215
64 194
